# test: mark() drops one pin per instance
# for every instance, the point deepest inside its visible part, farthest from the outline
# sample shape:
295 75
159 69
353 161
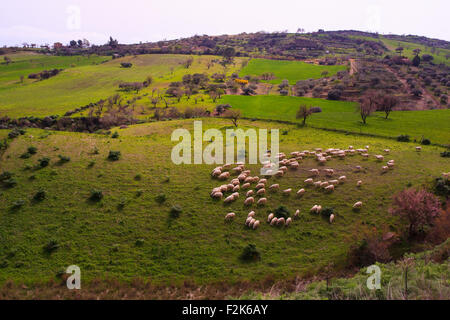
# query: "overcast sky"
132 21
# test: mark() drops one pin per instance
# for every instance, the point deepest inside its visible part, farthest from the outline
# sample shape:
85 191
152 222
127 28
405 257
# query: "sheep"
235 195
274 221
251 214
235 182
251 223
223 188
226 166
385 169
217 195
331 218
324 184
334 182
229 199
281 222
288 221
309 181
224 176
230 187
314 172
249 193
284 169
387 151
287 192
329 172
216 173
294 164
379 157
264 181
260 186
350 147
245 186
297 214
359 183
248 180
238 170
365 156
236 188
342 179
418 149
256 224
249 201
390 165
316 209
357 205
317 184
247 221
329 188
270 217
274 187
279 173
301 192
242 177
358 168
230 216
367 147
261 192
262 201
446 175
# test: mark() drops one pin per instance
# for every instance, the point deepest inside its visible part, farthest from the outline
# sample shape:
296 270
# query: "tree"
303 112
154 101
73 43
233 115
418 207
367 105
7 60
416 60
399 50
386 103
188 62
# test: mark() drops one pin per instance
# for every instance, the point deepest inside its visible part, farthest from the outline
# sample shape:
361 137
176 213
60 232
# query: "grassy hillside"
128 234
78 86
290 70
342 115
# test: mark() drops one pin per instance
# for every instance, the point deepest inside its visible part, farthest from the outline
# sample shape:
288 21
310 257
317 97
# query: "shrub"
282 212
139 242
96 195
114 155
9 183
250 253
115 135
43 162
17 204
334 94
442 187
315 109
126 65
445 154
63 159
51 246
25 155
39 196
160 198
5 175
426 142
32 150
175 211
417 207
327 212
403 138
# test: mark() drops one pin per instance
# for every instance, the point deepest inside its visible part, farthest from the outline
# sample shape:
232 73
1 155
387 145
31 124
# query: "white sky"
131 21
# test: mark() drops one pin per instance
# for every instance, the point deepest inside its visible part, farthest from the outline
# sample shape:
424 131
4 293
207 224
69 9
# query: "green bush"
403 138
63 159
32 150
160 198
114 155
250 253
175 211
51 246
43 162
96 195
327 212
426 142
442 187
282 212
25 155
5 175
115 135
18 204
445 154
40 195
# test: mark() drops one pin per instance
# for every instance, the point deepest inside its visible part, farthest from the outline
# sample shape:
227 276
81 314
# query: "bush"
445 154
63 159
403 138
160 198
282 212
426 142
126 65
25 155
51 246
32 150
17 204
43 162
175 211
334 94
327 212
5 175
115 135
442 187
250 253
39 196
96 195
315 109
114 155
9 183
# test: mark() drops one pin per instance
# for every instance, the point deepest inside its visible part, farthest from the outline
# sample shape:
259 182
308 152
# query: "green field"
128 234
78 86
290 70
341 115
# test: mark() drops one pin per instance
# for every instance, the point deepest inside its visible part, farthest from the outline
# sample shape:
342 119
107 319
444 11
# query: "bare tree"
303 112
386 103
233 115
367 105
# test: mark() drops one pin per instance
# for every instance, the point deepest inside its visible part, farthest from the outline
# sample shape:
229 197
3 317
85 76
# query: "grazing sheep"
342 179
249 201
367 147
365 156
390 165
226 166
262 201
230 187
229 199
387 151
270 217
251 214
288 221
235 182
279 173
287 192
329 172
316 209
236 188
242 177
238 170
256 224
235 195
314 172
251 223
255 179
264 181
329 188
248 180
301 192
379 157
358 168
245 186
334 182
317 184
385 169
274 187
261 192
223 188
359 183
274 221
247 221
216 173
217 195
418 149
294 165
260 186
249 193
297 213
224 176
230 216
281 222
331 218
324 184
350 147
357 205
309 181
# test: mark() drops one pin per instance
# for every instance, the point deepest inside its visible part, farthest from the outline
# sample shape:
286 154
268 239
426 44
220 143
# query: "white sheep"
247 221
324 184
301 192
249 193
217 195
230 187
229 199
235 195
249 201
274 221
270 217
359 183
279 173
251 214
358 168
260 186
235 182
287 192
329 172
230 216
223 188
385 168
245 186
236 188
262 201
281 222
216 173
334 182
418 149
251 223
256 224
224 176
288 221
261 192
329 188
331 218
387 151
342 179
314 172
317 184
309 181
264 181
297 213
357 205
274 187
379 157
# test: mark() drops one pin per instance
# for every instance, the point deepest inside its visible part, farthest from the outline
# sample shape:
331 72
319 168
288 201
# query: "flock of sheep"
244 181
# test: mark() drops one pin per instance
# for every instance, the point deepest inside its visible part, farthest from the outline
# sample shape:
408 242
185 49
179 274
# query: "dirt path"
353 66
